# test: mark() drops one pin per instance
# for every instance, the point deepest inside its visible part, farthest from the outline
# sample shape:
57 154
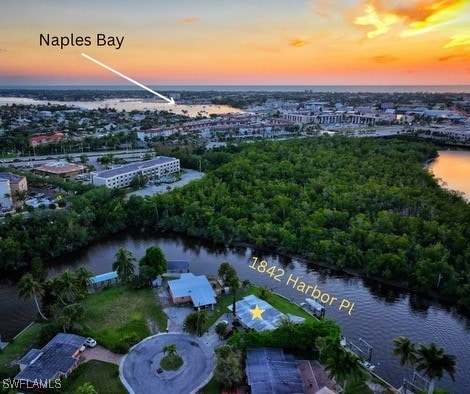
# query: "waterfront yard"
280 303
118 317
14 351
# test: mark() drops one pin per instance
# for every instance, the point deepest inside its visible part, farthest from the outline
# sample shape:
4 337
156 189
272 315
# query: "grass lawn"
171 363
117 314
102 375
223 301
12 353
213 387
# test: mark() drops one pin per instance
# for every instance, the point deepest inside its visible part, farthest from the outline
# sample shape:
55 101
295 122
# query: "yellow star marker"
257 312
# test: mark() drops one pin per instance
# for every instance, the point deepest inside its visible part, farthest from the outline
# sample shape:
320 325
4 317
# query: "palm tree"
70 315
123 264
342 365
83 278
264 293
433 361
21 195
405 349
286 324
30 287
67 286
170 349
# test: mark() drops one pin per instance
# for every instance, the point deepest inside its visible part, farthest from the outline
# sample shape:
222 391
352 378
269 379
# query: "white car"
90 342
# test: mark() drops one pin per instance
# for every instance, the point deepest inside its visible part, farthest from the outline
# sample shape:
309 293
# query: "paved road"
139 373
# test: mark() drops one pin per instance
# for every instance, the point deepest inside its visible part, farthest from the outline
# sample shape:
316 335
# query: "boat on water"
367 365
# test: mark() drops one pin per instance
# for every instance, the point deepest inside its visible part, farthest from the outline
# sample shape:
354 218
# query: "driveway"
139 368
100 353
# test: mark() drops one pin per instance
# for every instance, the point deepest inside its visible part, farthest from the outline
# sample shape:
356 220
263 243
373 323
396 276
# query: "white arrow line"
170 100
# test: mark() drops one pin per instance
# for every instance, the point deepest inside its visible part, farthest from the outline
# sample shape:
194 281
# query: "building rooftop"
60 167
177 265
196 287
269 319
11 177
270 371
134 167
103 277
52 359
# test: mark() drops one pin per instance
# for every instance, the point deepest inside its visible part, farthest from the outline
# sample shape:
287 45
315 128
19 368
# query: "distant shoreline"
465 89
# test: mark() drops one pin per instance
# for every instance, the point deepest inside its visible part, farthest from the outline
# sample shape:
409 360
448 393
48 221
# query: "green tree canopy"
154 258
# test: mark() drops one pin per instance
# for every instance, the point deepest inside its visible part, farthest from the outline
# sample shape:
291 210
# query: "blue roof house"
191 288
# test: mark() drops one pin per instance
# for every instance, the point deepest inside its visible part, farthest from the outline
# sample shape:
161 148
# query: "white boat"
342 340
367 365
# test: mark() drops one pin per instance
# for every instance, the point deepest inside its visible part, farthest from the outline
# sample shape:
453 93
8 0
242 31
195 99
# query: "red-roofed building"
45 139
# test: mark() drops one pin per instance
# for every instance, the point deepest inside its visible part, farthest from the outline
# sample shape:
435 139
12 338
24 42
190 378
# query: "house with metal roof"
106 279
54 361
192 288
257 314
270 371
177 266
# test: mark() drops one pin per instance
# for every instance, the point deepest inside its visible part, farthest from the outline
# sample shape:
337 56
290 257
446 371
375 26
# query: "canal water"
452 168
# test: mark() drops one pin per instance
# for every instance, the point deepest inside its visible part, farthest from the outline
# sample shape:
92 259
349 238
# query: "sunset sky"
203 42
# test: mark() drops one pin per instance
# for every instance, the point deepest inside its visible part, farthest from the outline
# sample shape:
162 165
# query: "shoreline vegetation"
356 205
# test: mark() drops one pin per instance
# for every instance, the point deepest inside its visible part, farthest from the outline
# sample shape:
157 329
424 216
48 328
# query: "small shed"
99 281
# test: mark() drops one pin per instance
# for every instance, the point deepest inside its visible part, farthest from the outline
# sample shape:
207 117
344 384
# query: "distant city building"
63 169
45 139
161 169
10 185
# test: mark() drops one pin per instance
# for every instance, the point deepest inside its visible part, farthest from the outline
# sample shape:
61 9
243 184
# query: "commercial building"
160 169
63 169
10 185
45 139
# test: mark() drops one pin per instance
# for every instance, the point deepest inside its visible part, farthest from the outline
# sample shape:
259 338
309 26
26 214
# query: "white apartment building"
158 169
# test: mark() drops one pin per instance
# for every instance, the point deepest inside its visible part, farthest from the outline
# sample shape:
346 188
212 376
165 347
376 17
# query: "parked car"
90 342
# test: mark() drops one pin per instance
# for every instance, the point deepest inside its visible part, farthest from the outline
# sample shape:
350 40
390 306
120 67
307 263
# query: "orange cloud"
414 10
384 59
455 56
298 42
191 19
381 21
448 17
